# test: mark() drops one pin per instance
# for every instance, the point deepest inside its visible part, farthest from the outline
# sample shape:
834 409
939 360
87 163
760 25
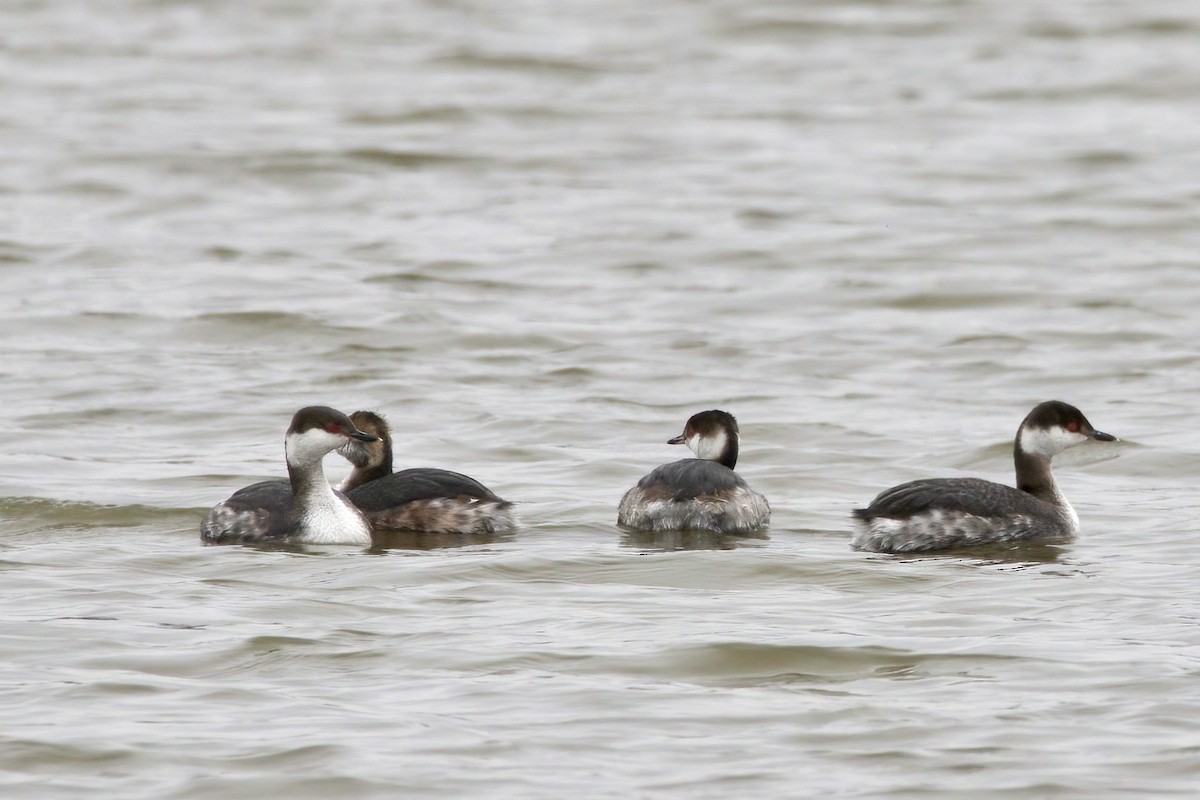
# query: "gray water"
538 236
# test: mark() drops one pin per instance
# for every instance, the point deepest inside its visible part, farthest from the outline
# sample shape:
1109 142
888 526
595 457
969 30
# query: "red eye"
1073 427
332 427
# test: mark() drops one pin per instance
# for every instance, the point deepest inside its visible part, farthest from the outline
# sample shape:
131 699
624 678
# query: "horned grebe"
945 513
702 493
419 500
303 509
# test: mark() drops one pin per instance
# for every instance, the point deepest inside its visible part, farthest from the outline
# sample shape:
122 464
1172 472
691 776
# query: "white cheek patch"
312 445
1049 441
709 448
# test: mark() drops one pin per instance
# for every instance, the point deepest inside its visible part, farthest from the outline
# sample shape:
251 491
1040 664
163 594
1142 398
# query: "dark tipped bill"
1101 436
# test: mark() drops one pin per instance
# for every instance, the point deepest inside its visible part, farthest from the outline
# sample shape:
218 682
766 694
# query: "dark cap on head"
328 419
706 423
1057 414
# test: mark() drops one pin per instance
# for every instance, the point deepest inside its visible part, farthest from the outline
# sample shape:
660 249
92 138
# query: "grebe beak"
1101 436
677 440
363 437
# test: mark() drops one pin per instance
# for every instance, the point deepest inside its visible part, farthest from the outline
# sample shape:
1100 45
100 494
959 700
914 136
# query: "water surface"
538 237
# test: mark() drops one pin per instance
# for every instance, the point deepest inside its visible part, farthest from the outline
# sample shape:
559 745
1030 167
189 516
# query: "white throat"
324 517
1049 442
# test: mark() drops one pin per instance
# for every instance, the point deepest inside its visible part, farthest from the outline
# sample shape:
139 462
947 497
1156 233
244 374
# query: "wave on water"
32 514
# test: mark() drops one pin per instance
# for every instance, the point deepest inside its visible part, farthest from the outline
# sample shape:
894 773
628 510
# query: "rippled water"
538 236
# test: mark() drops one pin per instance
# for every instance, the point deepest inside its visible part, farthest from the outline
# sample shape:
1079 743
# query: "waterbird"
304 509
702 493
950 513
423 499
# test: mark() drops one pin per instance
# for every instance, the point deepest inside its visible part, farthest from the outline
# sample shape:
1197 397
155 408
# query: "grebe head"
1053 426
315 431
369 454
711 435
